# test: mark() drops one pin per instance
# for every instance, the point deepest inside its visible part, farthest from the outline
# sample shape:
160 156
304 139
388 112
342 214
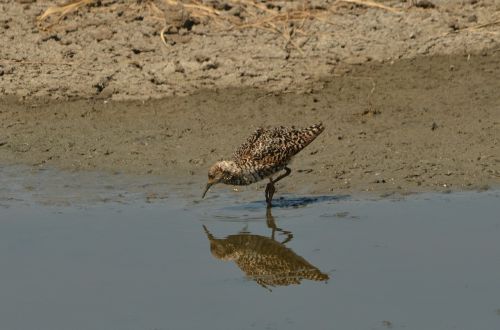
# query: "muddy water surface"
90 251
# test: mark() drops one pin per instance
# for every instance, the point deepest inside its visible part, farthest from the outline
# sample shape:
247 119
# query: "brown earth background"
409 91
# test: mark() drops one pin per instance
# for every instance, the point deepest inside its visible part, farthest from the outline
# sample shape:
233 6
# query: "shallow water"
90 251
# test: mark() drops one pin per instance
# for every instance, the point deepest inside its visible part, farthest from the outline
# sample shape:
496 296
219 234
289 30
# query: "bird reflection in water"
263 259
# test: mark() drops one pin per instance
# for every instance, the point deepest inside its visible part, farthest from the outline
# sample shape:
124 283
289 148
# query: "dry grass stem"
482 26
64 9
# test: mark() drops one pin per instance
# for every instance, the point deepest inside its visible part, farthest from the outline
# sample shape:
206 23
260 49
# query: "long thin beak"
209 235
206 189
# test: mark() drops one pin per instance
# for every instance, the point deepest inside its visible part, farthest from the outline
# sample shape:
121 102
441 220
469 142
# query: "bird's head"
219 172
220 248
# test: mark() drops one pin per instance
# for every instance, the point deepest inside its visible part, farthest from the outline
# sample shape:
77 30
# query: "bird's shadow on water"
290 202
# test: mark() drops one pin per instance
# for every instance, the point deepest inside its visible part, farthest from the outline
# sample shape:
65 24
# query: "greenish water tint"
89 251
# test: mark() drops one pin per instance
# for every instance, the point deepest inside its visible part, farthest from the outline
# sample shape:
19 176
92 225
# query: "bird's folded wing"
245 153
265 147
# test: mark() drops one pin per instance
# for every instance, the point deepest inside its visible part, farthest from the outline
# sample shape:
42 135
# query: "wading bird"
265 153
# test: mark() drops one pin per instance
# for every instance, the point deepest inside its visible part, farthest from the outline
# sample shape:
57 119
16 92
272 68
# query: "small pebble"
426 4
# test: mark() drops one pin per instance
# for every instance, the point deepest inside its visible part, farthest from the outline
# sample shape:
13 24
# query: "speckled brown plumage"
265 153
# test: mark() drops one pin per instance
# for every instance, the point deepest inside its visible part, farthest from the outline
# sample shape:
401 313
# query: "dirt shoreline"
426 124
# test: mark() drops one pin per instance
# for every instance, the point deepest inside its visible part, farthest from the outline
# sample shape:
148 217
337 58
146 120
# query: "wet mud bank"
425 124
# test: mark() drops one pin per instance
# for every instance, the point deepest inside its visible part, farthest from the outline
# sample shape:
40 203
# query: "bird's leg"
271 189
271 223
267 191
270 192
270 186
287 173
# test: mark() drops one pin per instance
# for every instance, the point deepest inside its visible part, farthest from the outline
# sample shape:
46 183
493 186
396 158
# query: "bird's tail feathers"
311 132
